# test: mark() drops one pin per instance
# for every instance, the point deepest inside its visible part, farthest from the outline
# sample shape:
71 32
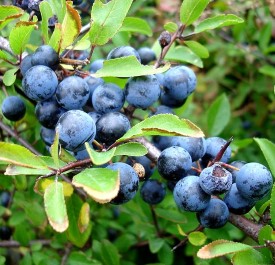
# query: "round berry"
13 108
142 91
48 112
215 180
215 215
75 127
174 162
39 83
254 181
147 55
108 97
45 55
189 195
128 182
152 191
111 126
236 203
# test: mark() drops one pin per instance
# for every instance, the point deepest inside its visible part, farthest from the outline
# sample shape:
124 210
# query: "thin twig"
9 131
16 244
155 220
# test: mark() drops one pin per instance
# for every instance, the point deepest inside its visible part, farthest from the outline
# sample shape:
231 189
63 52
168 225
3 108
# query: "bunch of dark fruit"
91 110
199 192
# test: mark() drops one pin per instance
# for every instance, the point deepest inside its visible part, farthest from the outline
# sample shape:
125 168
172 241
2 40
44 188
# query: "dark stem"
185 240
9 131
221 152
155 220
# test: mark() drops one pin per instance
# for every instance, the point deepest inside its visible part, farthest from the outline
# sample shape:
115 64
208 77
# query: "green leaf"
268 149
184 54
74 204
155 244
272 206
19 36
165 255
131 149
71 26
20 183
99 158
163 124
217 22
13 170
251 257
268 70
84 217
55 207
171 27
126 67
21 156
101 184
135 24
218 115
220 248
265 233
197 238
265 36
109 253
9 13
2 260
191 10
55 40
55 150
46 13
197 48
10 77
107 20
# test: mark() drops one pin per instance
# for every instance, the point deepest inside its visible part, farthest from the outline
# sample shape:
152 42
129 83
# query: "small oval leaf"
197 48
131 149
99 158
101 184
197 238
190 10
135 24
126 67
163 124
19 36
218 115
217 22
42 184
55 207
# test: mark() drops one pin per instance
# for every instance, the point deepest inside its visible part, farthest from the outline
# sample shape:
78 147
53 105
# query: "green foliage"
126 67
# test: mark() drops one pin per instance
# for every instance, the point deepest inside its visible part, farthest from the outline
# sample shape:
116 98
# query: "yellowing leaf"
101 184
55 207
42 184
220 248
84 217
71 26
